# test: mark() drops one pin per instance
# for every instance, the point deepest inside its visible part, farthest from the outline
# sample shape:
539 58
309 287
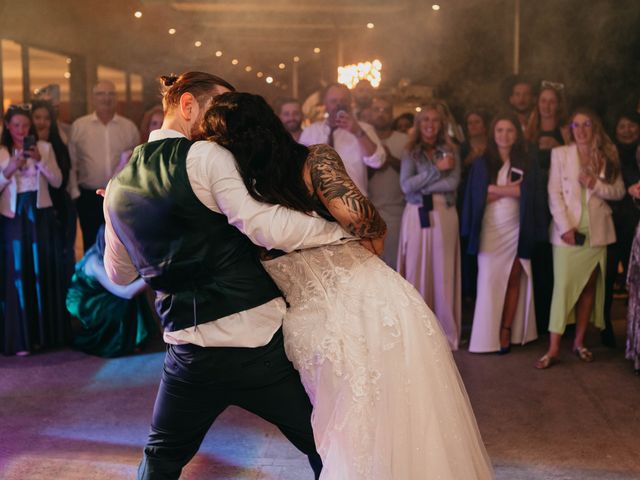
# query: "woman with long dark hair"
46 124
499 224
34 315
371 355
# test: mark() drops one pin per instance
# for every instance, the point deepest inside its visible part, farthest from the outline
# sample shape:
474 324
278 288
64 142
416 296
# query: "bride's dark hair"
270 161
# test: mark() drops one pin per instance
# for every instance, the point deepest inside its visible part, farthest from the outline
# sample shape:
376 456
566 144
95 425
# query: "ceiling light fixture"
436 7
172 31
218 53
282 66
137 14
316 50
370 26
198 43
234 61
296 59
269 80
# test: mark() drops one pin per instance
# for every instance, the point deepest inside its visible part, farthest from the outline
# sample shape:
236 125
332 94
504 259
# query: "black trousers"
199 383
89 206
542 270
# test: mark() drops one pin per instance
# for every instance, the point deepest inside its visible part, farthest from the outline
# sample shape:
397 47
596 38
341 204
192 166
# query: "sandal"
545 362
583 354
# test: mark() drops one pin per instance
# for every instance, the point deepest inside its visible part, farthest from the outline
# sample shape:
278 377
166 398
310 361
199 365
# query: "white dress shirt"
216 182
95 150
349 149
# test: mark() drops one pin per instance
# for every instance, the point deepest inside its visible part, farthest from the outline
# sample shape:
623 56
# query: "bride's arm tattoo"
341 196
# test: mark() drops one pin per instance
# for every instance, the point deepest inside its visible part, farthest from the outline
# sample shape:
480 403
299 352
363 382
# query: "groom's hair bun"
199 84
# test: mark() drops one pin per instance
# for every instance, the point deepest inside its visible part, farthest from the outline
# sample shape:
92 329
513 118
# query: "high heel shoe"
507 349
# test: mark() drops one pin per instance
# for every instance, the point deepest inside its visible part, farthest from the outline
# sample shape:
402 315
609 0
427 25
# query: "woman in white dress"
388 400
499 222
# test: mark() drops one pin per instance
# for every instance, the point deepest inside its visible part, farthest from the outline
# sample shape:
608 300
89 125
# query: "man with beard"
521 99
289 110
384 184
180 216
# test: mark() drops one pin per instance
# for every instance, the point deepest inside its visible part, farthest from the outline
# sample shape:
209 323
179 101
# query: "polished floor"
67 416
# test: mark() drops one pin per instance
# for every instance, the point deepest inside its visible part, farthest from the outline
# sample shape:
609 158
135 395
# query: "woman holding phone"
583 176
499 222
32 273
429 246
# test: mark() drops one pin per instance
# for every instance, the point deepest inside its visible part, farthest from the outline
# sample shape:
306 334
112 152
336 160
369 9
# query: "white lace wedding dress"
388 400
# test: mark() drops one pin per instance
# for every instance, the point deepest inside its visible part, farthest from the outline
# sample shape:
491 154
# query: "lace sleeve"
337 192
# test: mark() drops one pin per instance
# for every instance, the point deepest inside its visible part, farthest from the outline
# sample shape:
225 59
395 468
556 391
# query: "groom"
180 216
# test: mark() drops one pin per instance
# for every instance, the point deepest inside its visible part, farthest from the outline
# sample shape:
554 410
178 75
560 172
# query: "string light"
234 61
67 75
137 14
282 66
418 109
218 53
172 31
370 26
316 50
248 68
436 7
198 43
269 80
296 59
259 74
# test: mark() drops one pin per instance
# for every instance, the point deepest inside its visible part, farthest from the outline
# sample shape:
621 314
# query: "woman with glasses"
31 261
583 176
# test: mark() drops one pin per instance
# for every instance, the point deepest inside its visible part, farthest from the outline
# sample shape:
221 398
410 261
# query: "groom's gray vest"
201 267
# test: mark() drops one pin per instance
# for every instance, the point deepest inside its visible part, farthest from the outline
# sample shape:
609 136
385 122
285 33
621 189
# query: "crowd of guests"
530 211
526 209
49 174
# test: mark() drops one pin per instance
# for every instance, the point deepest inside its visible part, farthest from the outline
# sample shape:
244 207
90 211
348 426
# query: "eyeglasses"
558 87
587 124
23 107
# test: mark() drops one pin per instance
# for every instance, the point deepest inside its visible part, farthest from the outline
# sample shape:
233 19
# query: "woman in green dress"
115 319
582 177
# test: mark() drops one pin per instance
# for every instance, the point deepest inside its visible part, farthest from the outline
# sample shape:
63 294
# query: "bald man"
95 145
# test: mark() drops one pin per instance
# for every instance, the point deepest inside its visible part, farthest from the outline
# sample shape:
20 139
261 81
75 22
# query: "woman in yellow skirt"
583 176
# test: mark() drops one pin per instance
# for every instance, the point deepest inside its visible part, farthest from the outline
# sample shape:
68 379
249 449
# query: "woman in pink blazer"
583 176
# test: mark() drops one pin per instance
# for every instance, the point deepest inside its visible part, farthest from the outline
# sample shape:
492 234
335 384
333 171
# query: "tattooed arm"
352 210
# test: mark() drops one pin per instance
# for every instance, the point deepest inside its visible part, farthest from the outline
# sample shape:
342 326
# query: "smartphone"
580 238
516 174
28 142
423 211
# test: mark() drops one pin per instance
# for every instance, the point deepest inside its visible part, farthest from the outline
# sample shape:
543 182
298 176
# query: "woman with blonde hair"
583 176
429 246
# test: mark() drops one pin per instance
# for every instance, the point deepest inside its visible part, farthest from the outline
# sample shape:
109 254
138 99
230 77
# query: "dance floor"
67 416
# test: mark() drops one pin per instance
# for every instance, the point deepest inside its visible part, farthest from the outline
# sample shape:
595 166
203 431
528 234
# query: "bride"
388 400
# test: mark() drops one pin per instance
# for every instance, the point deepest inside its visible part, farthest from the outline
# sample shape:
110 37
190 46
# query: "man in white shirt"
95 145
356 142
384 184
221 314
